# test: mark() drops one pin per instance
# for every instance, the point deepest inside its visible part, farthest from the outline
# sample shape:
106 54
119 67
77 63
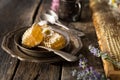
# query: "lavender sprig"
96 52
87 72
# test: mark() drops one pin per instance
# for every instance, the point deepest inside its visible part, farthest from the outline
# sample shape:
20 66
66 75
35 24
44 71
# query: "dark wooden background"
20 13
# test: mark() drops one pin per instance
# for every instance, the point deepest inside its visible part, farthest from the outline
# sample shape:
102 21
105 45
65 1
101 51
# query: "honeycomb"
43 35
32 36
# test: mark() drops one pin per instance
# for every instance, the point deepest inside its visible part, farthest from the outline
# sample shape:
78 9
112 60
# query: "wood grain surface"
13 14
20 13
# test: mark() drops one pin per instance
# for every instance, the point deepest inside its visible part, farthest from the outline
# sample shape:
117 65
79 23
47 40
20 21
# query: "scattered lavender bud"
96 74
83 63
95 51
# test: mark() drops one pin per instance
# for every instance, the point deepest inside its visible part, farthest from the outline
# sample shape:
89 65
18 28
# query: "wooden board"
106 21
20 13
13 15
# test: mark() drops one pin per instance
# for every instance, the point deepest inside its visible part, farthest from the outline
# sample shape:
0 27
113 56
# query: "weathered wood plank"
87 27
13 14
38 71
27 71
49 72
107 25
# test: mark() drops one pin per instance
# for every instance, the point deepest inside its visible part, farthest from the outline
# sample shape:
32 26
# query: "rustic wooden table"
19 13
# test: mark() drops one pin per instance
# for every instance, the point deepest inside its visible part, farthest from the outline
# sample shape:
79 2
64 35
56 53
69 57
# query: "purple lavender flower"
92 74
83 63
89 74
95 51
95 74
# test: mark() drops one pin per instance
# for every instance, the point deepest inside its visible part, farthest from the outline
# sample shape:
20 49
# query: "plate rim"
8 50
